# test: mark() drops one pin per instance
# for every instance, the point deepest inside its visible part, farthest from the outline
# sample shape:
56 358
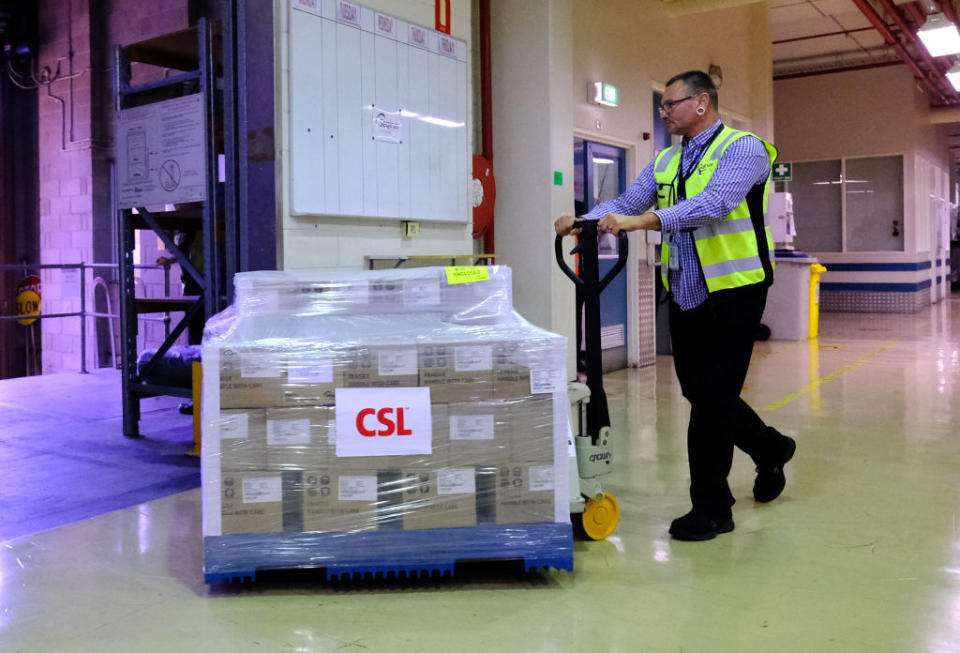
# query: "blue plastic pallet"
388 553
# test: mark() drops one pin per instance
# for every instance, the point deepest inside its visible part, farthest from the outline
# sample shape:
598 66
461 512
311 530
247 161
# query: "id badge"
673 259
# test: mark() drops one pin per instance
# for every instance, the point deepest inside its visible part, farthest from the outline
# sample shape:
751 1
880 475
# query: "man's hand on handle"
612 223
564 225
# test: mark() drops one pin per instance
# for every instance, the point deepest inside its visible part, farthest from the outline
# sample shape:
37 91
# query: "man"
710 193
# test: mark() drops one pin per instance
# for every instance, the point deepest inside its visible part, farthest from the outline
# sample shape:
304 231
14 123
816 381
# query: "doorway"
600 175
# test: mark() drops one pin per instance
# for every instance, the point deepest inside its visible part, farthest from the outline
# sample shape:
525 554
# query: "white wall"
337 241
866 113
532 138
638 45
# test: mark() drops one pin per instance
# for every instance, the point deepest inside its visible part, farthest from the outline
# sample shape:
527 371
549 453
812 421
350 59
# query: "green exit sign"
782 171
606 94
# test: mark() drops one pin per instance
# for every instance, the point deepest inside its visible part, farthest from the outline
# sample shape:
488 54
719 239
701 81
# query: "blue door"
599 175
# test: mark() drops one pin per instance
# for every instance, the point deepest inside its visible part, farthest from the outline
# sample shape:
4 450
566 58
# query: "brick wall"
75 151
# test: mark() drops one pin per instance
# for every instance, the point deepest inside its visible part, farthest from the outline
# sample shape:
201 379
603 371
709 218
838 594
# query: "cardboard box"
440 445
251 378
532 429
442 498
312 381
386 293
297 437
479 433
511 379
243 440
340 501
381 367
459 372
525 493
251 502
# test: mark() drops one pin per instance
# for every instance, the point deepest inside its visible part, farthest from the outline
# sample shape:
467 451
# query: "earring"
701 111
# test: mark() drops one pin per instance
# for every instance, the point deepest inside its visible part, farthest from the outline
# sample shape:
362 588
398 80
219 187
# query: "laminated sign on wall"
161 153
378 120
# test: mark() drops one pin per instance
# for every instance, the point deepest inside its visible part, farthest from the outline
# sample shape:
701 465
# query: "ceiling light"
953 76
940 35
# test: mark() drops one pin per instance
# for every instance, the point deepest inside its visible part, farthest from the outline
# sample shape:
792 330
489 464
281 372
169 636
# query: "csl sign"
28 298
390 421
383 422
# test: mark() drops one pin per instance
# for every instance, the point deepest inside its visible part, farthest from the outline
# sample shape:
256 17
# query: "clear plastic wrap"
451 412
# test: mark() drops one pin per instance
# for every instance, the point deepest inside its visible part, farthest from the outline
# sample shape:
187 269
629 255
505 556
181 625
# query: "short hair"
698 82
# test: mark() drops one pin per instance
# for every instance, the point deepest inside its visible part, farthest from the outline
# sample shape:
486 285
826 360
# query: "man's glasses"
668 106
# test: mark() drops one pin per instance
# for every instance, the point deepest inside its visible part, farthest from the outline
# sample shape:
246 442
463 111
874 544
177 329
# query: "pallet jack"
589 433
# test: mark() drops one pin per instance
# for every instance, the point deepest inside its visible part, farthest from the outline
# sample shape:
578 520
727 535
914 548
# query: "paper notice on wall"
357 488
387 126
234 426
70 282
161 153
473 358
457 481
262 489
541 478
472 427
288 431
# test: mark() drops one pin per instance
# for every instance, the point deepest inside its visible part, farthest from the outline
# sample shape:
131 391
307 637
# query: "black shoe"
695 527
770 478
186 408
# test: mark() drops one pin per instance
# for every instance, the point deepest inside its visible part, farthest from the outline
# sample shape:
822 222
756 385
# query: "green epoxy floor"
861 553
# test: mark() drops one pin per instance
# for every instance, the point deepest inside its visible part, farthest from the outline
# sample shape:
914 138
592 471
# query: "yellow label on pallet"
467 274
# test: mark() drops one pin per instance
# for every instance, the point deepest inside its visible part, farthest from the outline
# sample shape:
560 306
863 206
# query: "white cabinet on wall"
378 115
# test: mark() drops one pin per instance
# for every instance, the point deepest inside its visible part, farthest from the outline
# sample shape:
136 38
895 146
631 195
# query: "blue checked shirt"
743 165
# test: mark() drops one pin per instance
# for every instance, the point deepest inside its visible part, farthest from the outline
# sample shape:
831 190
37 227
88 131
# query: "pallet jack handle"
591 225
590 286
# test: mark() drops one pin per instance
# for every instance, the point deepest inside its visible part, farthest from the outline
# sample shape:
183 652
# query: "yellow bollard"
197 372
815 271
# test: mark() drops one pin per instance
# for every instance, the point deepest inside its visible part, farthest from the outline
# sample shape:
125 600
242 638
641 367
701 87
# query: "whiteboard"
378 115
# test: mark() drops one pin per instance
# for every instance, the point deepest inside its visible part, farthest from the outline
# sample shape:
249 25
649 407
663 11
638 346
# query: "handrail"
83 314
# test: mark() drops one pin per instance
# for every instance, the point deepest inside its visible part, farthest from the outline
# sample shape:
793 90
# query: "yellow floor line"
790 397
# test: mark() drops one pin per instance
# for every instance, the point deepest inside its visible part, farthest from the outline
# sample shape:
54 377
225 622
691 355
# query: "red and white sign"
418 37
348 13
386 25
383 422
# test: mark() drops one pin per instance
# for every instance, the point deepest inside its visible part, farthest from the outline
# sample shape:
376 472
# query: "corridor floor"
861 553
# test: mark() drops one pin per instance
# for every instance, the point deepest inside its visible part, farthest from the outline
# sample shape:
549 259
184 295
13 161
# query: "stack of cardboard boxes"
270 409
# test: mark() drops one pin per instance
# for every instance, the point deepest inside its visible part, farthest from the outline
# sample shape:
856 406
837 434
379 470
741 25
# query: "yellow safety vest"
738 251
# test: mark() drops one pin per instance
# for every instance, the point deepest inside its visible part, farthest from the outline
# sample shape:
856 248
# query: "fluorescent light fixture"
603 161
441 122
939 35
953 76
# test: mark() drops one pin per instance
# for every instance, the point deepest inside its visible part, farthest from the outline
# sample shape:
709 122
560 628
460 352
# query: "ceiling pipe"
881 27
830 71
845 32
938 79
486 107
916 14
946 6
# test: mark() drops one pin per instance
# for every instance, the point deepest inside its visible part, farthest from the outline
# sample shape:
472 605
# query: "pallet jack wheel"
600 518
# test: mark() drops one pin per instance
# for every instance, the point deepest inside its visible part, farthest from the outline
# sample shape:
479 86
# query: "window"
849 205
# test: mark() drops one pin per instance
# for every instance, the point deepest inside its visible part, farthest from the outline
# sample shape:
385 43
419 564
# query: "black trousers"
712 345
